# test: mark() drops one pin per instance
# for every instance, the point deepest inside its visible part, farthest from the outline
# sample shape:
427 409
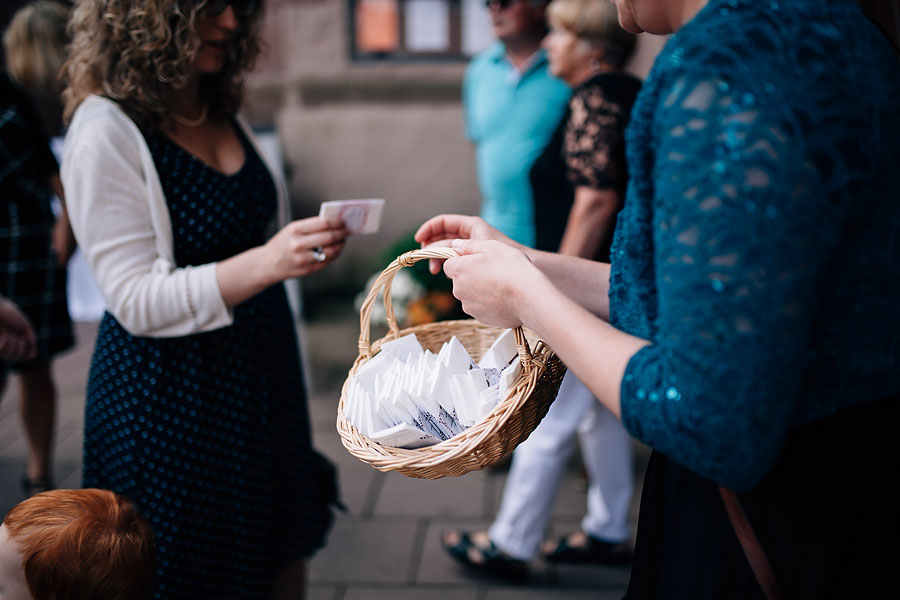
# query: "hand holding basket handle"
384 282
443 229
487 441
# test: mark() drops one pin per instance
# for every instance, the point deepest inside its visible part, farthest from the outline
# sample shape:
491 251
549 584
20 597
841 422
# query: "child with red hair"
74 545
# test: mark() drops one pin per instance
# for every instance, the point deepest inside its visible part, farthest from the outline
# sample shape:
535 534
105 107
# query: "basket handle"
385 280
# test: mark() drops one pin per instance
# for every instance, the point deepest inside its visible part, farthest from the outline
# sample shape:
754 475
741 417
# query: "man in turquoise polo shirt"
512 105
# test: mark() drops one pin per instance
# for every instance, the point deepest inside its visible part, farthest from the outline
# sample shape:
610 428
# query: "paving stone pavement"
386 546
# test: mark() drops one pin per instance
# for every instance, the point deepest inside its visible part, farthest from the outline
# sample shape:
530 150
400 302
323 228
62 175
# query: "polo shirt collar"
497 54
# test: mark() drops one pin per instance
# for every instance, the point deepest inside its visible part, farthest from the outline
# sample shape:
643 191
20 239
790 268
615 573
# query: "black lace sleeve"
595 130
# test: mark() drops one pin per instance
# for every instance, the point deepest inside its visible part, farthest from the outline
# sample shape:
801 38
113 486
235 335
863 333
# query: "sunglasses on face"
243 9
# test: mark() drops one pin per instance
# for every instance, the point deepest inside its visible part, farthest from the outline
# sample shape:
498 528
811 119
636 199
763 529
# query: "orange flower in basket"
433 306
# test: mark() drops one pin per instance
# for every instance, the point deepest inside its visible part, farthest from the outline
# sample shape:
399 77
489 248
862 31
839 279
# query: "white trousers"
539 463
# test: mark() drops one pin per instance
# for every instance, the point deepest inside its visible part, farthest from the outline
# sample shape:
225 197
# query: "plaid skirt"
31 277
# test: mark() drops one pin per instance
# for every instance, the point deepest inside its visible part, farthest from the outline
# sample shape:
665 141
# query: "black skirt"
827 516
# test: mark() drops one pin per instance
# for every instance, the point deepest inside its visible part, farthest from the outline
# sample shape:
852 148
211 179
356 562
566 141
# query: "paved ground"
386 546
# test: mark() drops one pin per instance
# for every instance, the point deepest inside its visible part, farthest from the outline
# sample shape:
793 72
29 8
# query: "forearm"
594 350
299 249
55 185
583 281
590 221
244 275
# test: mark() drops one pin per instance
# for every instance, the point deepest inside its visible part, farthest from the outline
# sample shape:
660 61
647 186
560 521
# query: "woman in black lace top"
579 180
579 187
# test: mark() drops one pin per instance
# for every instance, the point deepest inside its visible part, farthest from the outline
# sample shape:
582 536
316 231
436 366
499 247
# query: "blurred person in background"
746 328
511 106
53 15
78 545
35 245
196 408
578 185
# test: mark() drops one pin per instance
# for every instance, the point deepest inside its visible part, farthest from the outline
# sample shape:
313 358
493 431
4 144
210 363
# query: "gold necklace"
204 110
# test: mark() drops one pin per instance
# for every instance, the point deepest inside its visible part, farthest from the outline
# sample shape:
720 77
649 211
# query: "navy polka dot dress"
208 434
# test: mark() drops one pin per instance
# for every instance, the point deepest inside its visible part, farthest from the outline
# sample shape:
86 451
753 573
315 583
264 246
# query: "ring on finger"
319 254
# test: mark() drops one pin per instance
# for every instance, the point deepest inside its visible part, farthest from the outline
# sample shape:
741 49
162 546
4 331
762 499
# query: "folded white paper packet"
408 397
403 436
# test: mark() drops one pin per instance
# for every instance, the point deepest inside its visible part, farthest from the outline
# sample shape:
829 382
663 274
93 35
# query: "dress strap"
754 552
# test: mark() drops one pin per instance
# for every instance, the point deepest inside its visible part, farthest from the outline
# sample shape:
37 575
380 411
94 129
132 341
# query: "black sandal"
490 561
32 486
594 552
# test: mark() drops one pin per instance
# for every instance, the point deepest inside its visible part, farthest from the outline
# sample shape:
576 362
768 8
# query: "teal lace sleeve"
746 183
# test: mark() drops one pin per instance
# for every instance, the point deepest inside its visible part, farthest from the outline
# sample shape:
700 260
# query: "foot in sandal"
580 548
476 551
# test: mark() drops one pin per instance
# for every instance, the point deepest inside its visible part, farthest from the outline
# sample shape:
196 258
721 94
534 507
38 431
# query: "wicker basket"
508 425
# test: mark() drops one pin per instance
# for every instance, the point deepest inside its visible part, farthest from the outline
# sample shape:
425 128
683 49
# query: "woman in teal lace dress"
747 328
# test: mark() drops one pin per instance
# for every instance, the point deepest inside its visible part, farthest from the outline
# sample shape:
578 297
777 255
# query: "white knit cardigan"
121 222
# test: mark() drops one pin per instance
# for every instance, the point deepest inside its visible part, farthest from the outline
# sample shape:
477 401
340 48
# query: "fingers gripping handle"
385 280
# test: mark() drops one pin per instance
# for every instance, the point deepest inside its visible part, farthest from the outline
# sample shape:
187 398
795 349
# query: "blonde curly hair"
141 52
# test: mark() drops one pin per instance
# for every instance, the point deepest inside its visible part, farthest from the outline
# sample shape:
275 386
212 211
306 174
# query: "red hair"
83 544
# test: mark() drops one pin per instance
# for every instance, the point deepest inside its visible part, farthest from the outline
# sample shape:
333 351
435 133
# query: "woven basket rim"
481 430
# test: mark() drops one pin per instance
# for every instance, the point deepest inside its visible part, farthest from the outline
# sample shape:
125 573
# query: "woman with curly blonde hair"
195 403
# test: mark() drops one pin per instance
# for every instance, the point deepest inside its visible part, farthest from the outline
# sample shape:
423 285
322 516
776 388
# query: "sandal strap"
594 551
492 559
